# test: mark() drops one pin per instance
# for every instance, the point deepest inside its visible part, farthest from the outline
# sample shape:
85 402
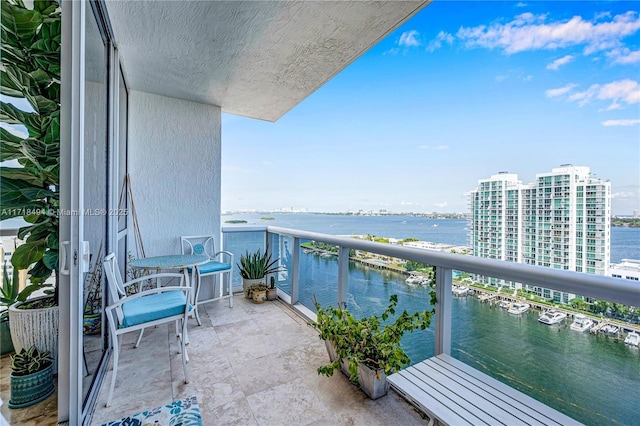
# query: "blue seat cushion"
153 307
212 266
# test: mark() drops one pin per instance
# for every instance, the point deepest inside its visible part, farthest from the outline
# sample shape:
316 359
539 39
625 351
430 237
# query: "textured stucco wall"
174 164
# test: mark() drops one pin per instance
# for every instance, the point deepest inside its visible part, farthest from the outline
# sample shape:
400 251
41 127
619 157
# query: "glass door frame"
72 407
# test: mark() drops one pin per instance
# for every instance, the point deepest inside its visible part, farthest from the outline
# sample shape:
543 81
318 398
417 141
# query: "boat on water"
610 329
519 308
460 290
504 304
632 339
551 316
417 280
581 323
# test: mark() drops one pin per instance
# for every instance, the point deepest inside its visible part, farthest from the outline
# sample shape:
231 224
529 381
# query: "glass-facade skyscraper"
562 221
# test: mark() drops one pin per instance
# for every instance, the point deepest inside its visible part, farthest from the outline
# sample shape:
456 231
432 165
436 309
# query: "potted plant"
10 294
255 266
272 291
257 292
31 377
31 38
368 347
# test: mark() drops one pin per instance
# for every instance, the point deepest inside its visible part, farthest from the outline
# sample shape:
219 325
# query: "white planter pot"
331 350
37 327
373 383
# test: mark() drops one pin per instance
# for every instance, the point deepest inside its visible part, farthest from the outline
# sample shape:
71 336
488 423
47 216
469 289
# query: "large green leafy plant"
31 70
373 340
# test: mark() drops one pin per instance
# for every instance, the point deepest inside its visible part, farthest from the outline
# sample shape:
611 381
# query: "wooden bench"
454 393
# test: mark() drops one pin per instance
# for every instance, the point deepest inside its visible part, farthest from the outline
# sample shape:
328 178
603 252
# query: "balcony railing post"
343 275
443 311
295 271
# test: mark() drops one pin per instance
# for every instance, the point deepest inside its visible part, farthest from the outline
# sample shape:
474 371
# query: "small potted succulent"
31 377
272 291
257 292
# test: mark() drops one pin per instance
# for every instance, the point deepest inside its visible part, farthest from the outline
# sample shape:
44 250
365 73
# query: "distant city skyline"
460 92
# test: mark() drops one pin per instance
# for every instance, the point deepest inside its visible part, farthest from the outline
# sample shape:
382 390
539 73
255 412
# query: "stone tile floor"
249 365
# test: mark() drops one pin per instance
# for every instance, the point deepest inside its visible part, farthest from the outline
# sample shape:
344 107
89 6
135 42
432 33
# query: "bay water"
591 377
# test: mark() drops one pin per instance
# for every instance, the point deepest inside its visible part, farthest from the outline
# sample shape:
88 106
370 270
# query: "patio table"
171 261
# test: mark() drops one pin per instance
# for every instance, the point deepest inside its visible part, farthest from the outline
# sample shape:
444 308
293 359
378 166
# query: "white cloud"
532 32
500 78
440 38
409 39
441 205
521 4
406 203
584 97
559 62
626 90
622 122
624 195
618 92
552 93
624 56
442 147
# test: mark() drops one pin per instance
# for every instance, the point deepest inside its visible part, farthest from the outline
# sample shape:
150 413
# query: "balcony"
249 363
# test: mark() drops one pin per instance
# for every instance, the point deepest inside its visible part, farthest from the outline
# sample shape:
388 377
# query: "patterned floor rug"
179 413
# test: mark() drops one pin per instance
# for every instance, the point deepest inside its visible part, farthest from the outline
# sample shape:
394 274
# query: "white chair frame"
187 244
115 316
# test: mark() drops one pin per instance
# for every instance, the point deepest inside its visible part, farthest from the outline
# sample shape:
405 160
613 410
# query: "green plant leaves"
369 340
27 254
20 21
30 54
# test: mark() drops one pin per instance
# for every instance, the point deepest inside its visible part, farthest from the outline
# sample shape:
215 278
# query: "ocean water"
625 242
592 378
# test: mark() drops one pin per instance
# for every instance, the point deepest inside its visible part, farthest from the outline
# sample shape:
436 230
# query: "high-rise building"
562 221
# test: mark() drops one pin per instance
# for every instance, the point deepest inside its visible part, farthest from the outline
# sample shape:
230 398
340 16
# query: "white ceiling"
252 58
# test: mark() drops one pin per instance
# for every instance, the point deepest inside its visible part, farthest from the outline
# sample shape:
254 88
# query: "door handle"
64 258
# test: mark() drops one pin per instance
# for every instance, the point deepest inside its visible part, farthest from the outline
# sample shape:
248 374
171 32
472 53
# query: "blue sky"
460 92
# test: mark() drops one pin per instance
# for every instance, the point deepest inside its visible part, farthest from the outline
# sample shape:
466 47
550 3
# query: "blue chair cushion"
212 266
153 307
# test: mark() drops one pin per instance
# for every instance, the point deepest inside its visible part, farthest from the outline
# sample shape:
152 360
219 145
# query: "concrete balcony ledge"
253 364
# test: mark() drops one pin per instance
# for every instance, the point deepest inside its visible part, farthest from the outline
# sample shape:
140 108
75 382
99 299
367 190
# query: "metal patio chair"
145 308
221 263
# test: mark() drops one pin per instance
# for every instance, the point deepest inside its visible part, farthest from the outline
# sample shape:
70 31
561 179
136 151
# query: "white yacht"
632 339
581 323
551 316
504 304
460 290
519 308
417 280
610 329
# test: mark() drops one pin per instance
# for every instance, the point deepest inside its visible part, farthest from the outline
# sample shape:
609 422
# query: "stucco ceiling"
252 58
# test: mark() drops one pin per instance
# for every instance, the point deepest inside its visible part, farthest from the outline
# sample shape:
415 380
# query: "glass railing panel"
561 367
318 277
238 243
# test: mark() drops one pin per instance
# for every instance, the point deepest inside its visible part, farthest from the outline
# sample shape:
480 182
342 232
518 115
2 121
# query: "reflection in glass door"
95 190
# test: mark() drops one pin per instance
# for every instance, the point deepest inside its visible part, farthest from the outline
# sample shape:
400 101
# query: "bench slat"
480 405
551 416
456 393
433 405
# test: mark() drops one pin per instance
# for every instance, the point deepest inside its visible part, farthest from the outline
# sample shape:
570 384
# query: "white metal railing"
595 286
